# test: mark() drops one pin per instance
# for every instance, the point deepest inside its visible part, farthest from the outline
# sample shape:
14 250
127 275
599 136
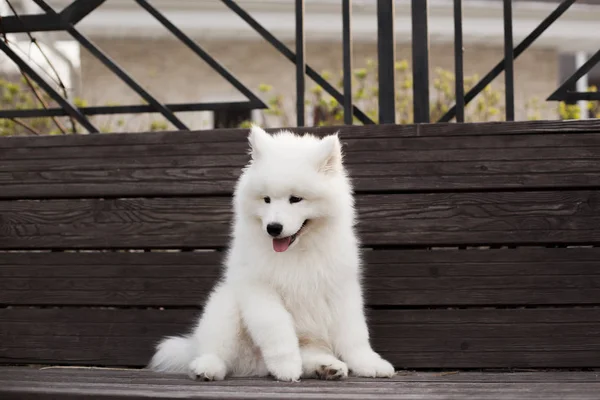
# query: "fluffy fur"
293 313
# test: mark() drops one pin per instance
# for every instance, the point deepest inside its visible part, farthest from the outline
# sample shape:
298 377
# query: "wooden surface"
530 185
437 157
422 219
523 276
418 338
374 131
58 383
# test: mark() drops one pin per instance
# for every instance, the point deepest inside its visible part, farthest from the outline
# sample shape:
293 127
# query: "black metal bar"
300 63
30 23
110 64
521 47
420 60
509 62
386 56
69 108
129 109
577 96
347 45
214 64
78 10
287 53
459 89
117 70
562 91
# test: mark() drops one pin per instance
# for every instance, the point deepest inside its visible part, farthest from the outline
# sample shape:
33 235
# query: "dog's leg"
351 336
271 328
216 337
320 363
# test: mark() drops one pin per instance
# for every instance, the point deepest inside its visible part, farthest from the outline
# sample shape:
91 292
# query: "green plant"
20 96
572 111
327 111
24 94
487 106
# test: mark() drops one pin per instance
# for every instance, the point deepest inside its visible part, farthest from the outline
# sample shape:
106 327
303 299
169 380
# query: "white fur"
291 314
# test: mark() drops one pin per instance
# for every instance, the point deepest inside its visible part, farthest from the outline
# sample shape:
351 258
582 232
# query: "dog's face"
288 186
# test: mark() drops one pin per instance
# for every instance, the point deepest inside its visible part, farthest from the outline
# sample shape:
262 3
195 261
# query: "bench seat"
22 383
481 249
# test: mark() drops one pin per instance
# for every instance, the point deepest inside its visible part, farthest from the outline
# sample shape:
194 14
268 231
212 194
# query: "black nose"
274 229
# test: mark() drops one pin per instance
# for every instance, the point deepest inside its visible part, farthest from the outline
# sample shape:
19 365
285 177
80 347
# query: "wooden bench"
481 250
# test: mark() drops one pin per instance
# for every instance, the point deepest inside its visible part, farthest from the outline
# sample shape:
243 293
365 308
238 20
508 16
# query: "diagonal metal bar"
521 47
214 64
563 90
110 64
290 55
128 109
69 108
78 10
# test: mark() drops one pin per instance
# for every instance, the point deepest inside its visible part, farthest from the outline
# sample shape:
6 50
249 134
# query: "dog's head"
292 184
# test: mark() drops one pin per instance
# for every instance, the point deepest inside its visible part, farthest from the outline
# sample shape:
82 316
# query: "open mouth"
282 244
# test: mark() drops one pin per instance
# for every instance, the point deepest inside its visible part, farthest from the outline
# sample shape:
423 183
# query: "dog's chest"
310 299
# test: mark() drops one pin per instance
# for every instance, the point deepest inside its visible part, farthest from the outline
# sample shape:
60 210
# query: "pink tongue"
281 245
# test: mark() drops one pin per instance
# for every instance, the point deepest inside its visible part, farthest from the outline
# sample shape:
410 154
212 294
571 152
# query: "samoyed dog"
290 303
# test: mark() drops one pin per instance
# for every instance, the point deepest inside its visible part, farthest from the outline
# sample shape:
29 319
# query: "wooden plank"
27 383
469 338
524 276
527 276
107 279
374 131
385 220
108 375
120 153
175 167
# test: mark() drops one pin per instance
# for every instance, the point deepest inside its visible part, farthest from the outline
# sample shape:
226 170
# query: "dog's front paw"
207 368
334 371
286 369
370 365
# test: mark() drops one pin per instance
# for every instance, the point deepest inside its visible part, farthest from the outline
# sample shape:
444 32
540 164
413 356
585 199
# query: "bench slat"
469 338
524 276
385 220
186 163
374 131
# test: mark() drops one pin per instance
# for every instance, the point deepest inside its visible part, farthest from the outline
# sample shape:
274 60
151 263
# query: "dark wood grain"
401 219
379 131
27 383
470 338
205 163
143 376
524 276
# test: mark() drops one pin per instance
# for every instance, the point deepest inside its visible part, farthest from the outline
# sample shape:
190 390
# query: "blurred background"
172 73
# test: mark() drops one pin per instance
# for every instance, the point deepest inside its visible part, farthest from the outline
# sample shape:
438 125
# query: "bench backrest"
480 241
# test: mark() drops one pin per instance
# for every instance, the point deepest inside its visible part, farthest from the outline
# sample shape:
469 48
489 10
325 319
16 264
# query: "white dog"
290 303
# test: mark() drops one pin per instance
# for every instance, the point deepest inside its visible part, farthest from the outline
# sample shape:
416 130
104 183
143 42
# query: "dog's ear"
330 155
258 139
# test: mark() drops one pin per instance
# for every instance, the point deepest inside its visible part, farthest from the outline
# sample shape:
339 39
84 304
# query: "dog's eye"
295 199
267 199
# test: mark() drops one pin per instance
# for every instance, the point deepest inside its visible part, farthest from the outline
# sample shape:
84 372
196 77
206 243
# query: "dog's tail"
173 354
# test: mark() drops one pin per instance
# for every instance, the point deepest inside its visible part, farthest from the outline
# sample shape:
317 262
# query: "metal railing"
67 20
